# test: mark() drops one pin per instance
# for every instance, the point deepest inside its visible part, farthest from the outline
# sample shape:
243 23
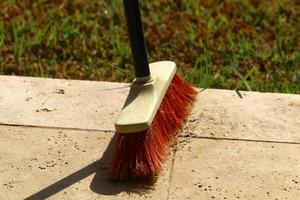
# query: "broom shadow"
100 183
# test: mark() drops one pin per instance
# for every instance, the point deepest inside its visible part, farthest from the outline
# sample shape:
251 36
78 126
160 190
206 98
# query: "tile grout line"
171 173
243 140
54 127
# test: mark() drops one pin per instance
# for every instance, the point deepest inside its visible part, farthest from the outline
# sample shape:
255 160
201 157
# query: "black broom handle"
137 40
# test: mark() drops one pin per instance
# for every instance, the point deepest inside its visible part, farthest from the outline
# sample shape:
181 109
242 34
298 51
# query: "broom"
157 104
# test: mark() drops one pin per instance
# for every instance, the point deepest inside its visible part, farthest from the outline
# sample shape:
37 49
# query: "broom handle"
137 40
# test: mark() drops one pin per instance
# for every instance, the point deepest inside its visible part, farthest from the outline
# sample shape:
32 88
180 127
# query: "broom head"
150 119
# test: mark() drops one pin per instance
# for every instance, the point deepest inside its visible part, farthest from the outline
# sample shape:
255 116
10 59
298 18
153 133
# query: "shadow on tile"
100 183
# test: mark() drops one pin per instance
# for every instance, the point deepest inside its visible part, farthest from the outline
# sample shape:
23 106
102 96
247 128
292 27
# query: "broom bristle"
140 155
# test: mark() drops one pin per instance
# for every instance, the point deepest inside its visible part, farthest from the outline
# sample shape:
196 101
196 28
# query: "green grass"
243 45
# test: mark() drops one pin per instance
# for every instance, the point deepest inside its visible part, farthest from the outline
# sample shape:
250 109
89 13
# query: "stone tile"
259 116
60 103
95 105
36 163
212 169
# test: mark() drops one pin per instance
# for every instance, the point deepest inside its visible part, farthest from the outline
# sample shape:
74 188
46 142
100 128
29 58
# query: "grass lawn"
244 45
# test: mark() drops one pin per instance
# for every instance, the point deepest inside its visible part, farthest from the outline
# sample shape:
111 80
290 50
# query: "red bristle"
140 155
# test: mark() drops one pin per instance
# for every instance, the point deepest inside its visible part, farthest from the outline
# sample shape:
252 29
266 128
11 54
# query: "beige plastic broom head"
144 98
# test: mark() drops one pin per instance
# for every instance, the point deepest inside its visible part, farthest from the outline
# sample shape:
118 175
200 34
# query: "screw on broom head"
153 112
